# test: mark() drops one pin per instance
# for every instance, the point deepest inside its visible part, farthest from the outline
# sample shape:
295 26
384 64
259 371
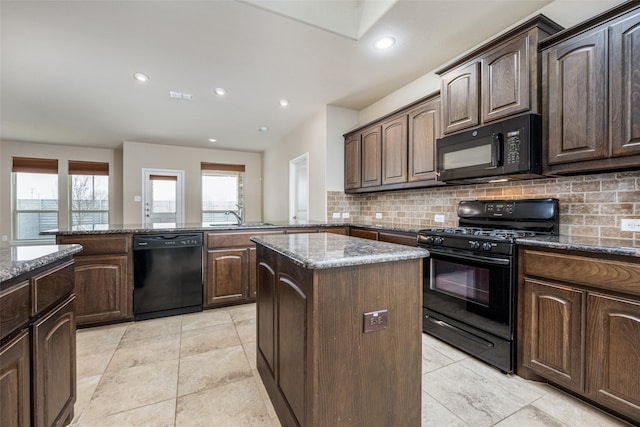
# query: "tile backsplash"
590 205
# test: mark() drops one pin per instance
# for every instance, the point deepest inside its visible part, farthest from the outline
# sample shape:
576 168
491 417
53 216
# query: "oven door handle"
484 259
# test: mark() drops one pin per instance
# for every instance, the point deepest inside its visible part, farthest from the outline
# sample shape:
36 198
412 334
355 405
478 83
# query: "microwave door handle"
498 145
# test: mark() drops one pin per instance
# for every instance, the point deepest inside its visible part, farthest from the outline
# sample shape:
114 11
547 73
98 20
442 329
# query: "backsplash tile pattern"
590 205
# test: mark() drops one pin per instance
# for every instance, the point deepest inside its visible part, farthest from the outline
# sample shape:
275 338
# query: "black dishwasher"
167 274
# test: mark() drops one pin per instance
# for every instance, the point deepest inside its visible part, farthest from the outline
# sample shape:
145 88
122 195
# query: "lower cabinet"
103 278
580 325
38 352
15 382
54 366
227 276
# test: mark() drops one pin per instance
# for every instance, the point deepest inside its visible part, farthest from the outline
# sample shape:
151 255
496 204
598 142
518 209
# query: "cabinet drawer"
401 239
100 244
606 274
51 286
235 239
365 234
15 308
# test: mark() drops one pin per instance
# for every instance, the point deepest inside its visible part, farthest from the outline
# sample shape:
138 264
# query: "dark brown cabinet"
591 91
309 353
460 98
227 276
579 325
372 157
38 352
230 267
352 162
15 382
394 150
424 129
54 366
401 238
103 278
497 80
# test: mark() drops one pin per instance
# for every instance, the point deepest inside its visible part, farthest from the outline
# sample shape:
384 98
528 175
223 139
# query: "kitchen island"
339 329
37 335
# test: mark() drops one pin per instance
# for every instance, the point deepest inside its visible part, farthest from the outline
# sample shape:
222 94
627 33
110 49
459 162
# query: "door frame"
179 174
293 166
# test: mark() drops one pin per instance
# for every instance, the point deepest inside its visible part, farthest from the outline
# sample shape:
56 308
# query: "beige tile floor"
200 370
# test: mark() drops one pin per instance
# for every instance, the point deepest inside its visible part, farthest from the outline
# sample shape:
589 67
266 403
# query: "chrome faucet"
238 217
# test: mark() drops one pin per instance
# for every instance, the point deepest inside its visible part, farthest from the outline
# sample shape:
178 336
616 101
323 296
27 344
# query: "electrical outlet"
630 225
336 215
378 215
375 320
438 218
345 214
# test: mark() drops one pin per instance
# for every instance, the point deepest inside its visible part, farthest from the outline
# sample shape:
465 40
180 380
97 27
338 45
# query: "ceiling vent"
180 95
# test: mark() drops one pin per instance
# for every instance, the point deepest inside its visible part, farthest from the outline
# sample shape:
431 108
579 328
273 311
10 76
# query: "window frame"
222 170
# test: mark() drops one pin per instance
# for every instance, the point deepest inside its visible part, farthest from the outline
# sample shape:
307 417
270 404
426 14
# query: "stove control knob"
438 240
474 244
486 246
429 239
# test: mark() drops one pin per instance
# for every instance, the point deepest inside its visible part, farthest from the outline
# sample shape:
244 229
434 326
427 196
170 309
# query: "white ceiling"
67 67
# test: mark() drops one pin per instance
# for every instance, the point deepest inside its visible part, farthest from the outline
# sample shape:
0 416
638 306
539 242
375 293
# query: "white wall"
310 138
137 156
63 154
339 121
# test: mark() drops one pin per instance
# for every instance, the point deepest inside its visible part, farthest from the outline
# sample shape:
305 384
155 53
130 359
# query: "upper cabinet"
497 80
395 152
591 94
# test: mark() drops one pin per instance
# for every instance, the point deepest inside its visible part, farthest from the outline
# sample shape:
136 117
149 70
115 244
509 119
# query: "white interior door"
163 202
299 188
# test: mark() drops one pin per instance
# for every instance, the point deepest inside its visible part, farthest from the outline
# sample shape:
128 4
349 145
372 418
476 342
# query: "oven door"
473 289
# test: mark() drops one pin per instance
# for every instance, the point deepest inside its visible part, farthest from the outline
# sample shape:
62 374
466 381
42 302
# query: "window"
89 194
222 192
35 197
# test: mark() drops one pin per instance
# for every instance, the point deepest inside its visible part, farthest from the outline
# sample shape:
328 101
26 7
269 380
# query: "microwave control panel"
512 147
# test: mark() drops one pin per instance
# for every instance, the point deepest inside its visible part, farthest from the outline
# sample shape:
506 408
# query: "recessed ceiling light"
284 102
263 128
384 43
212 140
141 77
220 91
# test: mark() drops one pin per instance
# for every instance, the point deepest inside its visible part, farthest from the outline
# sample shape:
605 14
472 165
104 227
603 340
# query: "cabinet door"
102 289
372 157
266 313
460 98
575 96
505 80
624 85
54 366
226 278
15 383
394 150
552 333
252 273
613 339
352 165
424 129
292 344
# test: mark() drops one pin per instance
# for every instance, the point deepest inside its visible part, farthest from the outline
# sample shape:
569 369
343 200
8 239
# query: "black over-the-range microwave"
509 149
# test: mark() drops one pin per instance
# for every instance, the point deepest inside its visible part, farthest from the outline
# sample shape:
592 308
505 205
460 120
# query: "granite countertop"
17 260
601 245
328 250
185 227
